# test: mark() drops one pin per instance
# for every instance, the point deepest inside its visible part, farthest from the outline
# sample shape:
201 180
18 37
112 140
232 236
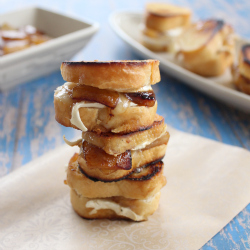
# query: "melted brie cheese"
146 143
122 105
75 116
72 143
98 204
144 88
173 32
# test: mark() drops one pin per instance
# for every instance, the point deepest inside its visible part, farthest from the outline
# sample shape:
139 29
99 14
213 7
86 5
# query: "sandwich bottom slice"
116 207
141 184
241 82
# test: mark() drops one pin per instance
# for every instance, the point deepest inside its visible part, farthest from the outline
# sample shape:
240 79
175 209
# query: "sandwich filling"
91 97
75 116
98 204
167 38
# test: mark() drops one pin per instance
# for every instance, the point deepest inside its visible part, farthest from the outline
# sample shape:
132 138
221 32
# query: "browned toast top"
122 76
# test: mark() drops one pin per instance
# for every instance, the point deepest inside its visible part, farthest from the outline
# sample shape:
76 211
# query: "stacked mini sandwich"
163 24
241 72
118 172
207 47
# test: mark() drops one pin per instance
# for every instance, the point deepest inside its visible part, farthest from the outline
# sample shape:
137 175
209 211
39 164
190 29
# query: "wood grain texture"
28 128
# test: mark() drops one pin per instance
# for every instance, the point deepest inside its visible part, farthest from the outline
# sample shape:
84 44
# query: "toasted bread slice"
244 61
121 119
162 17
241 82
114 207
161 41
142 184
122 76
98 165
115 144
154 44
207 47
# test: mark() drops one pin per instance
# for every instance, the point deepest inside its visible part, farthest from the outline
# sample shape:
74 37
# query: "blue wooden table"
28 128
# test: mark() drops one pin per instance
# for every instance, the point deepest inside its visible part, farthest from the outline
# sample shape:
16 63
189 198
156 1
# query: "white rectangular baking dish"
69 36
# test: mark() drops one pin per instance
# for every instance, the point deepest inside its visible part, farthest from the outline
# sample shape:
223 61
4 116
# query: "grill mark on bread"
215 25
166 14
121 76
152 167
100 179
115 62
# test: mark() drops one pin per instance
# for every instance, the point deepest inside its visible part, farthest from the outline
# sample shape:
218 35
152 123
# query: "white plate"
127 26
69 36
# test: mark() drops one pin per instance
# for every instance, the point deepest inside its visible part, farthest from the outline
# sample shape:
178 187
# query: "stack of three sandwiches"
118 172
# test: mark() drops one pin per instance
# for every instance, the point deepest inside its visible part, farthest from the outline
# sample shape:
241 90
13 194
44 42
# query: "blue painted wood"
191 111
39 132
9 110
31 129
235 235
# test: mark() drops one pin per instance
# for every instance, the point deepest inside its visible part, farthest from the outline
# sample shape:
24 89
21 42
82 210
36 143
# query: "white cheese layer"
173 32
146 143
72 143
145 88
98 204
75 116
158 41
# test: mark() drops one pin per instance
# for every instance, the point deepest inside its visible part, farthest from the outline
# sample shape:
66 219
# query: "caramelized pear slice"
142 98
128 188
115 144
104 160
106 97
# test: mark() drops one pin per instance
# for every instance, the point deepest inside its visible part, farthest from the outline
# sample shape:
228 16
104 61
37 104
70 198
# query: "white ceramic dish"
127 26
69 36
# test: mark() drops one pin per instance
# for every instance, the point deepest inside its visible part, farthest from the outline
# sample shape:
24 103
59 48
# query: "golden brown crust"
213 67
122 76
162 17
141 208
102 119
115 144
244 61
214 54
155 47
241 82
140 188
152 153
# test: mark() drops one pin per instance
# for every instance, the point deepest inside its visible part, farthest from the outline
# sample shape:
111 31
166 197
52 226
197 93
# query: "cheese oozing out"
144 88
146 143
75 116
122 105
72 143
98 204
174 32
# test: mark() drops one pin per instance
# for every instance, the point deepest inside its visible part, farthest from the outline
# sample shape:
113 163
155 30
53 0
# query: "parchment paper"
208 185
